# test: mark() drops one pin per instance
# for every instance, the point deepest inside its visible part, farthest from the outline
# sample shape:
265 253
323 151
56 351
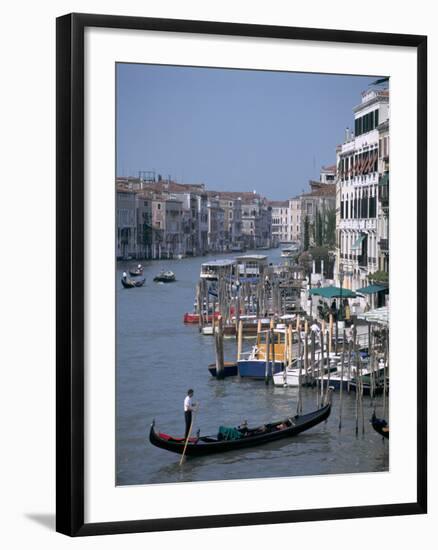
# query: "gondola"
130 283
243 437
165 277
136 272
380 425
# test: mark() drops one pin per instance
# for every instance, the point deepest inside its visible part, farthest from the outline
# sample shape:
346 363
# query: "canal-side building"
256 221
280 221
173 228
160 219
216 233
358 173
126 216
294 216
383 204
320 201
145 233
231 204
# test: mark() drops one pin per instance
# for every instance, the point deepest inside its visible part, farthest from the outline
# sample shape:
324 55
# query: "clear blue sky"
236 130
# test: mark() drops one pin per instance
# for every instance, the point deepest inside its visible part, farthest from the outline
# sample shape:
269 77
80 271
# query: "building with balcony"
359 173
383 194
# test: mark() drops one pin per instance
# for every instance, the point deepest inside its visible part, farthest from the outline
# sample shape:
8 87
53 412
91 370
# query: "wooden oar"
188 436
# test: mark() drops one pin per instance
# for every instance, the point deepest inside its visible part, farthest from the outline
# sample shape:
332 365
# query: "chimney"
347 133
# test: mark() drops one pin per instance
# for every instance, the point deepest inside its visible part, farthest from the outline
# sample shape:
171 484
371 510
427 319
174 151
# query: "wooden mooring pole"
312 355
321 366
268 353
341 387
239 339
300 378
306 352
219 341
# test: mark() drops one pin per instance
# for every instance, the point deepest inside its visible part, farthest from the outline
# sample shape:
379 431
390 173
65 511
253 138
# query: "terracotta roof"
319 189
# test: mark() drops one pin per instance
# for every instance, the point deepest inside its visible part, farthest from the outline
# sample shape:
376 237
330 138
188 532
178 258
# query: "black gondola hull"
129 283
380 426
205 447
136 273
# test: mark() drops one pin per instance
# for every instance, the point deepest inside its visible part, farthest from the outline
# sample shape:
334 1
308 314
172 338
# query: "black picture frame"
70 272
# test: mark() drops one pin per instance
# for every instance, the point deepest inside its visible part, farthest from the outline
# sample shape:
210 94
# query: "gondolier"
189 406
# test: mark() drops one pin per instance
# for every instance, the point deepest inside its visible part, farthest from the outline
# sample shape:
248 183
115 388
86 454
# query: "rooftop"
279 204
249 257
319 189
219 263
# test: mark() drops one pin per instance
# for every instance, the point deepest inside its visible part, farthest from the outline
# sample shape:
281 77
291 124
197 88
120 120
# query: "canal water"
159 358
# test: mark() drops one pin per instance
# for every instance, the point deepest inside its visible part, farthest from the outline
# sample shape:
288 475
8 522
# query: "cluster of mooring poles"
236 306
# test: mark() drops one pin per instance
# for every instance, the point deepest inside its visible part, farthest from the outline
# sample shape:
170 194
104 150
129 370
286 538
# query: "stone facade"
360 167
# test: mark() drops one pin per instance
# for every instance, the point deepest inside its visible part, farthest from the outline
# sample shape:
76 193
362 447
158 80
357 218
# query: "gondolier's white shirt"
188 405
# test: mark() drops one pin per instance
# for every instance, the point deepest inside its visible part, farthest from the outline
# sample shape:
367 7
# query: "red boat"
193 318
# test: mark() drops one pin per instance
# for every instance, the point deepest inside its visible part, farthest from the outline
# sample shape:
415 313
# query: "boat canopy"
332 292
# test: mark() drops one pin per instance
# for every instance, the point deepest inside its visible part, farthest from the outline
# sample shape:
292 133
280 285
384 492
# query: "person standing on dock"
315 327
189 406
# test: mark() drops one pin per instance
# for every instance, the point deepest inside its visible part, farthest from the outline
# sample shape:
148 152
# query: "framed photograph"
241 293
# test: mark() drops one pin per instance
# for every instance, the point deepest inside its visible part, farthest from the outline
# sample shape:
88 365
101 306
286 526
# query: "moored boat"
254 366
291 375
193 318
230 439
230 369
165 277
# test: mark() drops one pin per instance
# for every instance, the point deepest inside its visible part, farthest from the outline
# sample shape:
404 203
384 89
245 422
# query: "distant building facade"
216 226
126 214
280 221
162 219
318 202
294 226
